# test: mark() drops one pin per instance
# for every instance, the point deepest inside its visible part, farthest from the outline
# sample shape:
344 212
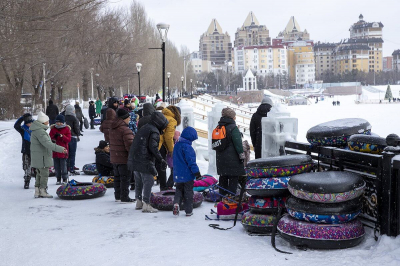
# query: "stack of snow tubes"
90 169
268 186
323 210
336 133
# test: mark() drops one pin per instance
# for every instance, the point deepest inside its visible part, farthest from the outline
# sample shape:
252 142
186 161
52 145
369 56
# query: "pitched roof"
251 20
396 52
214 27
249 74
292 25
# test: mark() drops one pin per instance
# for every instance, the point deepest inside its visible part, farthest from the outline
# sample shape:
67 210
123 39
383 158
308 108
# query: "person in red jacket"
60 133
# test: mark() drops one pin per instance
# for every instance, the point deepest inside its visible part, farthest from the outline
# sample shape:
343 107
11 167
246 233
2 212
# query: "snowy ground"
103 232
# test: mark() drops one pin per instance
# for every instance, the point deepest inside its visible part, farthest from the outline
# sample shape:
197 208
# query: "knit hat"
122 113
267 100
42 117
28 119
102 144
228 112
60 118
126 102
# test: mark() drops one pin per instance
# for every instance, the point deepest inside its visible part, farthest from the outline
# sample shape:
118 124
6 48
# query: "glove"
56 135
198 176
164 165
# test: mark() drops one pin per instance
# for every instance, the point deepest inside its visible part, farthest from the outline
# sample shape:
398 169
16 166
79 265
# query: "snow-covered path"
103 232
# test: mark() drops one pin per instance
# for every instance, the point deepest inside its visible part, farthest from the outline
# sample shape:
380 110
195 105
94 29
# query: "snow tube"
266 204
327 187
280 166
90 169
334 213
80 190
52 171
107 181
97 121
211 195
204 183
257 223
227 211
367 144
268 187
337 132
321 236
164 200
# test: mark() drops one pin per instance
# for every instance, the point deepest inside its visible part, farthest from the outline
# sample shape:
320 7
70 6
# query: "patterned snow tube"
367 144
321 236
333 213
211 195
107 181
266 204
327 187
336 133
164 200
280 166
82 190
90 169
268 187
52 171
257 223
97 121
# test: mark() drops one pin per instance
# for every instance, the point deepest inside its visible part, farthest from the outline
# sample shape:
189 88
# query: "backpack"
219 139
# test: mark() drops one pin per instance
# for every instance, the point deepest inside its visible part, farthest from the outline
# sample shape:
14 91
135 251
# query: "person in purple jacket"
185 170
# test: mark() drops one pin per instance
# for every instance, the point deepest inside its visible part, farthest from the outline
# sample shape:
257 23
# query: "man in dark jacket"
92 113
142 156
148 110
121 138
106 125
73 123
26 145
230 160
103 161
52 112
112 103
256 127
79 115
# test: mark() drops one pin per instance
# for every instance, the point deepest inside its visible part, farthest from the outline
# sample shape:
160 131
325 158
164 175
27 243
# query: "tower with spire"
251 33
293 32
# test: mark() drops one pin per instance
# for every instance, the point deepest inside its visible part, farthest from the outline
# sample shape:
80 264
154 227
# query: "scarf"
62 126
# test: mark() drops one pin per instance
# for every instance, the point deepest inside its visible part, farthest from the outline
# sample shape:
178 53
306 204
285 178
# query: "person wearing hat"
60 134
92 114
230 160
25 132
73 123
256 126
79 115
103 163
132 123
41 148
121 138
52 112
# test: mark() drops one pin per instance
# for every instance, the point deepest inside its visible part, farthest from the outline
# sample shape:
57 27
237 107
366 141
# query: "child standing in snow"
185 170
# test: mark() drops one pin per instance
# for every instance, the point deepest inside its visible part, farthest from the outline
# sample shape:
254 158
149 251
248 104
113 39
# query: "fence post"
387 209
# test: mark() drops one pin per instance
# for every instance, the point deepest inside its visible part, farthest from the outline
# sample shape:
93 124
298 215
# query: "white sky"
325 20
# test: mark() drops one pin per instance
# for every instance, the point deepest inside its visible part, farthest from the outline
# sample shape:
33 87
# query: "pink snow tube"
204 183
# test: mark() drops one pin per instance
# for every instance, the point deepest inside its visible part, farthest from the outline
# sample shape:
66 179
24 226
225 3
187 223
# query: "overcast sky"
325 20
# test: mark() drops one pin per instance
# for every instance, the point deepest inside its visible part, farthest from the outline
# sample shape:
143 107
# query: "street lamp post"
163 29
44 86
91 77
138 67
191 88
169 90
182 78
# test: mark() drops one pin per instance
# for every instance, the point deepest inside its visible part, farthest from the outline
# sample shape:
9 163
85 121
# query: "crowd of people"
139 145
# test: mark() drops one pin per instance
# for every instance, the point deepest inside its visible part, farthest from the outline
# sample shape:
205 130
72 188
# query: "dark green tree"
388 94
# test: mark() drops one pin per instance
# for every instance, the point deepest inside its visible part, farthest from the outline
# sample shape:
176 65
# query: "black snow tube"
164 200
280 166
333 213
327 187
321 236
81 190
90 169
367 144
337 132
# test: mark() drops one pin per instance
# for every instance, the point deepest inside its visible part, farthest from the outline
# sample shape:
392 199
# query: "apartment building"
396 60
387 63
293 32
252 33
324 54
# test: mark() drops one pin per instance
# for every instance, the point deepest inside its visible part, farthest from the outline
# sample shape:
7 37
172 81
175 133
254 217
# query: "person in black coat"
256 127
92 113
103 164
79 115
230 161
111 103
142 156
52 112
26 145
148 110
73 123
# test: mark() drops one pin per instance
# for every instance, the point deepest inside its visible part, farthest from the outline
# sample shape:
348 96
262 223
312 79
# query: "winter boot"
139 204
175 211
58 181
147 208
64 181
44 194
128 200
27 181
37 192
189 214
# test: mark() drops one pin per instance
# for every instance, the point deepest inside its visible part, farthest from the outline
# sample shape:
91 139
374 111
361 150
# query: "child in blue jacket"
185 170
